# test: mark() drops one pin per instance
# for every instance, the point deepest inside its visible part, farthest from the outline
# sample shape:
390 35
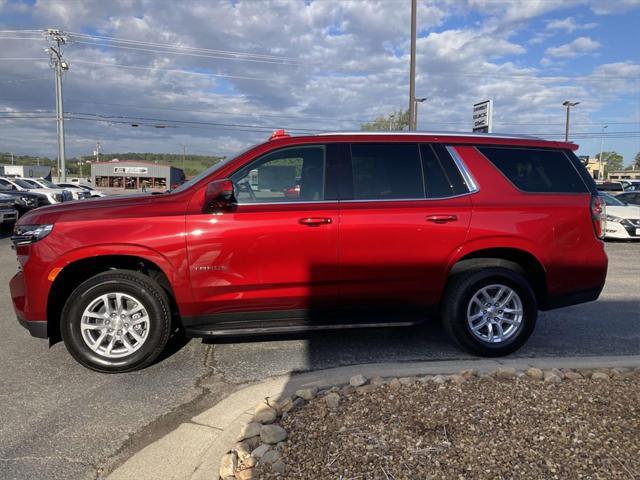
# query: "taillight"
599 215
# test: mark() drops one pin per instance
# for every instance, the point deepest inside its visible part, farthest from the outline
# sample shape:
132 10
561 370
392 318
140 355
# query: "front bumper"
8 216
627 230
37 329
30 320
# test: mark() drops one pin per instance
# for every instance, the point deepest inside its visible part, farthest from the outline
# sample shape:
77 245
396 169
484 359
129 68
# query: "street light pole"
600 170
415 117
568 104
412 72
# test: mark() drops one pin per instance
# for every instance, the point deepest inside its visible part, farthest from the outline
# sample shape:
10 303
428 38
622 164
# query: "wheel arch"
520 260
80 270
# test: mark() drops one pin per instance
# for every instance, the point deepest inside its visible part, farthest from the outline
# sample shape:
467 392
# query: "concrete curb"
193 450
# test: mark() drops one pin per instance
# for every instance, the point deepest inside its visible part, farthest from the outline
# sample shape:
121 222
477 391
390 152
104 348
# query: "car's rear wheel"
489 312
117 321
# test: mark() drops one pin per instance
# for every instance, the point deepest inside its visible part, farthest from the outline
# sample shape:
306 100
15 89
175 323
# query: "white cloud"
579 46
569 25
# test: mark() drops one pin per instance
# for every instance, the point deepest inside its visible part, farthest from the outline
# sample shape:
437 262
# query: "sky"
215 76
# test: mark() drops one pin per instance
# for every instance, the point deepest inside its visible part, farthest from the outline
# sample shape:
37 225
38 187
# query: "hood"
5 198
627 211
145 206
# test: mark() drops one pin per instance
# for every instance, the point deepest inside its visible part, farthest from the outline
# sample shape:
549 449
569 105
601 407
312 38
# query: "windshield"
25 183
208 172
612 201
48 183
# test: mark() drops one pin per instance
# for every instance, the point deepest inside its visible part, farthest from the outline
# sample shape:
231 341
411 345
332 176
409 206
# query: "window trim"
467 176
323 146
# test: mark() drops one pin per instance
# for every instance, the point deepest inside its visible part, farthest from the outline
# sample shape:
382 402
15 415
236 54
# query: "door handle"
315 221
442 218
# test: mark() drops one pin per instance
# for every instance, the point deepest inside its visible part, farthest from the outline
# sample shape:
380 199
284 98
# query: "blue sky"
220 74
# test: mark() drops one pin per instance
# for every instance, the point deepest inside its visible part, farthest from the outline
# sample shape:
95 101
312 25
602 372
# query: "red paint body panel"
261 257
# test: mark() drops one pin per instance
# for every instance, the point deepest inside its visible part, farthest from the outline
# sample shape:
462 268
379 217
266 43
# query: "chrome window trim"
432 199
472 185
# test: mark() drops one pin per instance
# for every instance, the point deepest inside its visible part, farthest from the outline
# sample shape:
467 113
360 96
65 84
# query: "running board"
202 331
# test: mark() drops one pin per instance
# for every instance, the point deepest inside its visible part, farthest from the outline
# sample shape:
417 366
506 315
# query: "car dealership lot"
62 421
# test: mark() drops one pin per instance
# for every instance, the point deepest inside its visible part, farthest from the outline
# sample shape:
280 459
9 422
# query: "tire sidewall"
87 293
460 328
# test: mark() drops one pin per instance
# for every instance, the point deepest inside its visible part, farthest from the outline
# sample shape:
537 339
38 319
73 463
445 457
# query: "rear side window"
536 170
384 171
441 175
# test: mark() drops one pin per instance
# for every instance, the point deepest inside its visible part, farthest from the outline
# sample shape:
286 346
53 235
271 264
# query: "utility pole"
57 39
12 161
412 69
184 154
96 152
600 168
568 104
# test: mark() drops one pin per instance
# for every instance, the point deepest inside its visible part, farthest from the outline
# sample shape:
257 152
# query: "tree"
612 161
396 121
636 161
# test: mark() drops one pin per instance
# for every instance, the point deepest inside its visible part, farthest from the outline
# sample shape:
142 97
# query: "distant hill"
193 164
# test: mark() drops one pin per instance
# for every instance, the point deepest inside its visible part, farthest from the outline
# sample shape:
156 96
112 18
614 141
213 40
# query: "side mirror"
219 195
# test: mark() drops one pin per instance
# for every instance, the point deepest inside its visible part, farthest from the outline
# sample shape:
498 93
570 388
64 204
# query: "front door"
407 215
274 260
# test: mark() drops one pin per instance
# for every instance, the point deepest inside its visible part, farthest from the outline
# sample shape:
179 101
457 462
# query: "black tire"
459 293
142 287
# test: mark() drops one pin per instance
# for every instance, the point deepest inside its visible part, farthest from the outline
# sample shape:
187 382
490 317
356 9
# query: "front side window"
289 175
386 171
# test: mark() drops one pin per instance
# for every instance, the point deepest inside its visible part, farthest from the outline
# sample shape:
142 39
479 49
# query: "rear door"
407 213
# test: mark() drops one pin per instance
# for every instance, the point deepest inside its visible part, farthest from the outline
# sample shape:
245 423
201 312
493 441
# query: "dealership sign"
482 116
130 170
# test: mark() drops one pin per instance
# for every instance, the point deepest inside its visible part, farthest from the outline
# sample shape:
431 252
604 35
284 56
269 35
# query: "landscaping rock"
265 415
249 462
307 393
347 390
285 405
253 442
407 380
535 373
247 474
250 430
332 400
394 384
440 379
357 380
270 457
571 375
426 379
600 376
457 379
272 434
279 467
505 373
228 465
378 380
366 388
260 451
469 373
486 378
242 450
551 377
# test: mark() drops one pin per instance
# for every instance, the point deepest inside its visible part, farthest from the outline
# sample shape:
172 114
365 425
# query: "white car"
76 193
17 184
623 220
92 191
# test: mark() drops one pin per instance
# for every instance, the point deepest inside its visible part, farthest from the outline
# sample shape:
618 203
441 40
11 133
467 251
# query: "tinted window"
453 174
386 171
436 182
287 175
4 185
536 170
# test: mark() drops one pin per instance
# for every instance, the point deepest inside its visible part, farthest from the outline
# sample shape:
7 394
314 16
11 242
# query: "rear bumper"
572 298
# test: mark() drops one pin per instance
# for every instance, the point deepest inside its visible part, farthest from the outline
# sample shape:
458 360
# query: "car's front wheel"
117 321
490 311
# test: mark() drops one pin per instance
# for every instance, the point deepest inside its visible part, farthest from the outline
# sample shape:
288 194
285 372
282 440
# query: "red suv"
320 232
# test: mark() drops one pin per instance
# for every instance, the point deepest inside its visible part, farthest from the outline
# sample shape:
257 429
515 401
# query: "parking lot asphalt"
59 420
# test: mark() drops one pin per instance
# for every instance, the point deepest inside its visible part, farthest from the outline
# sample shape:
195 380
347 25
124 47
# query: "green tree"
613 161
396 121
636 161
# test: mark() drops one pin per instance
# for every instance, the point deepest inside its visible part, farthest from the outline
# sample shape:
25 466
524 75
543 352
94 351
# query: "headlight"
27 234
27 201
613 218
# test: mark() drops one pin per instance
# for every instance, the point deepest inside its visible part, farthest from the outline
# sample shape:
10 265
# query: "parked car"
8 212
631 197
19 185
386 230
93 193
623 220
76 193
23 200
611 187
